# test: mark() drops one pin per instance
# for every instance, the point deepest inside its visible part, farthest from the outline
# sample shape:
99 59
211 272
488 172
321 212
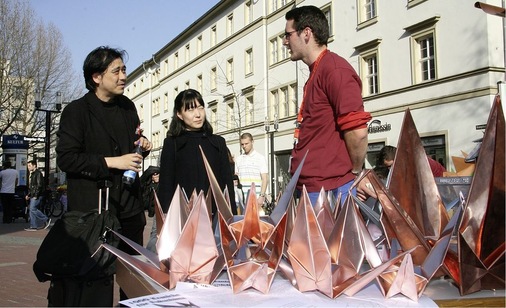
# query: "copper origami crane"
412 182
192 257
413 211
411 280
252 248
481 240
324 213
333 266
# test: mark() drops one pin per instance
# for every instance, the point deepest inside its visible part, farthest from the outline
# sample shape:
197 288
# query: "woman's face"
193 118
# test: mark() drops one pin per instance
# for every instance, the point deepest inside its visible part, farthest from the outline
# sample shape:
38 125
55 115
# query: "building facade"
440 59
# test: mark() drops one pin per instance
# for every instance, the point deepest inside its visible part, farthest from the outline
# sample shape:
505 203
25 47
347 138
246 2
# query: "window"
155 139
230 114
423 50
370 9
166 101
294 106
249 111
248 12
199 83
274 106
426 58
141 113
284 107
213 79
274 5
367 10
248 61
176 61
278 51
371 76
369 67
277 4
165 128
199 45
213 106
283 102
156 107
176 92
230 24
230 70
283 49
274 51
187 53
328 14
213 36
166 67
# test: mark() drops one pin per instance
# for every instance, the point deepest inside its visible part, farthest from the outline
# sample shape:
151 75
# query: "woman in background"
181 161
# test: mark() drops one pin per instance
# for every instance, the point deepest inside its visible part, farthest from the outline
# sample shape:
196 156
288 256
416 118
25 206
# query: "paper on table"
282 294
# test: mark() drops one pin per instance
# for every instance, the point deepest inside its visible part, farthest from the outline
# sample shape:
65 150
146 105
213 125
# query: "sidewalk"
18 285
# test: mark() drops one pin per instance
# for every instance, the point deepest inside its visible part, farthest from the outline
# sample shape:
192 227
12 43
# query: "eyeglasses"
288 34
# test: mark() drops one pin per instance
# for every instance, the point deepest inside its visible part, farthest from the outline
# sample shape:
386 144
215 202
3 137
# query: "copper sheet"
324 214
308 252
481 238
252 262
334 267
195 254
150 272
412 182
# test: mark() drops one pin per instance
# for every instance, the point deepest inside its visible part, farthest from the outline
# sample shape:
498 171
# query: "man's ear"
97 77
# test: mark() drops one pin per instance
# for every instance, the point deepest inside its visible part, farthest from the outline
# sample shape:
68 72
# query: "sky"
141 27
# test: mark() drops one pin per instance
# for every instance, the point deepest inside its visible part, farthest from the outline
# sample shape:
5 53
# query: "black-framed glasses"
288 34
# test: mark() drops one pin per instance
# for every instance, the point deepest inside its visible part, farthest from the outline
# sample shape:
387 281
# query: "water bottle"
129 175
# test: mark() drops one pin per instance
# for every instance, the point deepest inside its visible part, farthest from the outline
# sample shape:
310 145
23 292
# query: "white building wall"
469 53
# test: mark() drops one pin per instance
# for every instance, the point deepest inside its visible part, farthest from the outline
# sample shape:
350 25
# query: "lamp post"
267 127
47 139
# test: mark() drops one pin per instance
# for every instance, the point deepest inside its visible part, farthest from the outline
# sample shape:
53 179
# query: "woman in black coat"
181 161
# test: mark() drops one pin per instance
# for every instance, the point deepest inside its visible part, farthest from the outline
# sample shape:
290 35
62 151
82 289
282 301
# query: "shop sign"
14 142
376 127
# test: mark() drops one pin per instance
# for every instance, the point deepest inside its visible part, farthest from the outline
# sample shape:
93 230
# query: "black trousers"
8 207
132 228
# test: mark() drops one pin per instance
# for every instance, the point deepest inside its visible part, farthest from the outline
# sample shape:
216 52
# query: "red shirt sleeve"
353 120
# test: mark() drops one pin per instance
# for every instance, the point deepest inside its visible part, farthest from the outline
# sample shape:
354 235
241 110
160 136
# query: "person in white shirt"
9 179
251 167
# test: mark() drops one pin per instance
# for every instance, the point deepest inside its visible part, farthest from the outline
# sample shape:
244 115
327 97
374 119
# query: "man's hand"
145 144
260 201
365 190
131 161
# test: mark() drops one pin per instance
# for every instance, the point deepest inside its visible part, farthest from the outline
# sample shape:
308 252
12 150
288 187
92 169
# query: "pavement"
18 248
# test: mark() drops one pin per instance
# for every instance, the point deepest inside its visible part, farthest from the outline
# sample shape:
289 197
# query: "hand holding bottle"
130 174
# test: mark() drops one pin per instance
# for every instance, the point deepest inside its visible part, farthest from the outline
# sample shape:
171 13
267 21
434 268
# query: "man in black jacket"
97 137
35 190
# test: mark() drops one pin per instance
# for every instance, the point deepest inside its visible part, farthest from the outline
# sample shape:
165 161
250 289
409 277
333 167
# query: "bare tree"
32 56
240 105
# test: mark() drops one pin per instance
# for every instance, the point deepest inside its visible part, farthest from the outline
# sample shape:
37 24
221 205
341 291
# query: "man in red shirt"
332 123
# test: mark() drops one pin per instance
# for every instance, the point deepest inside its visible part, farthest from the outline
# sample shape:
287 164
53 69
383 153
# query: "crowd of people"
98 134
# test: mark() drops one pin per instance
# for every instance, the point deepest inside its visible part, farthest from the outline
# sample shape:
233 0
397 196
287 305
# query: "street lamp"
267 127
47 141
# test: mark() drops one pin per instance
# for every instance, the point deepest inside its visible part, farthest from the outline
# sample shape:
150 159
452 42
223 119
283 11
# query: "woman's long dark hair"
185 100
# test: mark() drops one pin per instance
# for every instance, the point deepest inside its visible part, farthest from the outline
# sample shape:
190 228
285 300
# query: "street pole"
47 139
46 149
267 126
273 177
